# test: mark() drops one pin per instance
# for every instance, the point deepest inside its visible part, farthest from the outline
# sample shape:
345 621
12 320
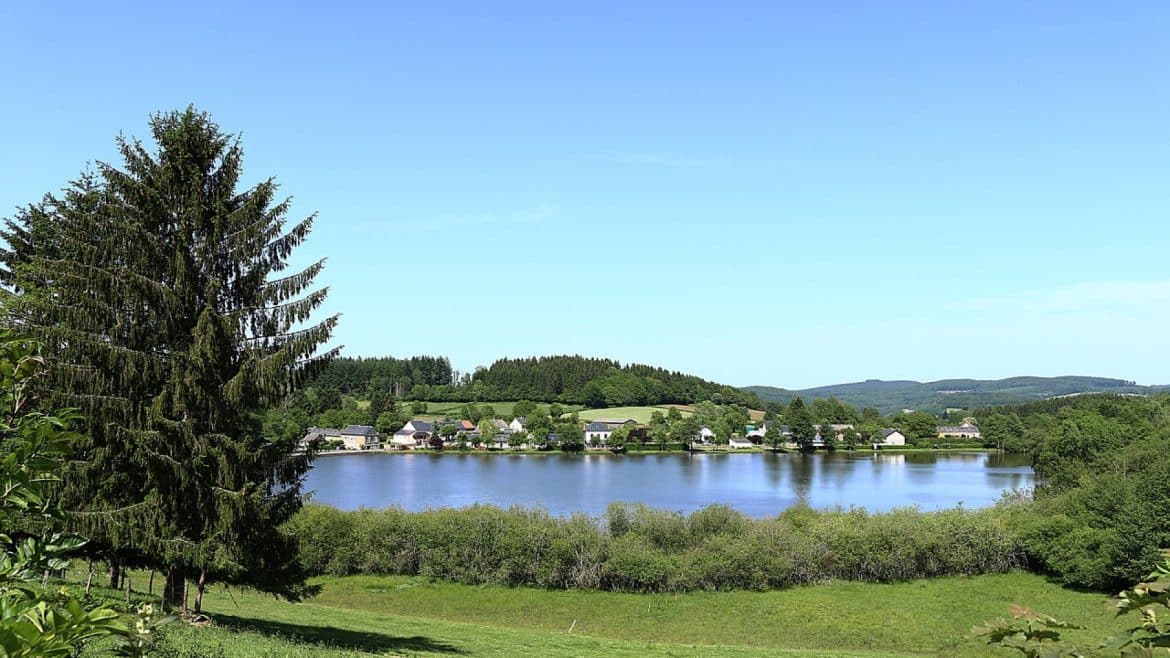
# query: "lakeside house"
598 433
316 436
705 435
762 431
413 434
736 442
518 424
353 437
839 429
968 430
889 437
361 437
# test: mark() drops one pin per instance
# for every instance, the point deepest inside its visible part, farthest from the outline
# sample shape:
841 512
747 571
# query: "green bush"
639 549
635 565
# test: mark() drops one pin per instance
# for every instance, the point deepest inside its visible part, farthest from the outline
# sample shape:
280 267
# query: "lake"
757 484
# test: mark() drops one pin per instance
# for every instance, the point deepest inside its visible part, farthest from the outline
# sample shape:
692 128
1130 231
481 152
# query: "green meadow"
405 616
640 414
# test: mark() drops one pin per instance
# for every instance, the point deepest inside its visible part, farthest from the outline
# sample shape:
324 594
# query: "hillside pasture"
640 414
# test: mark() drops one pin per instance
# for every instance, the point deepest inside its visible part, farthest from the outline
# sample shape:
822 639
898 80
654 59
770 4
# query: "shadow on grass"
338 638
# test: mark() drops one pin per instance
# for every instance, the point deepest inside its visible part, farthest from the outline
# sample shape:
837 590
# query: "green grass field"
368 615
640 414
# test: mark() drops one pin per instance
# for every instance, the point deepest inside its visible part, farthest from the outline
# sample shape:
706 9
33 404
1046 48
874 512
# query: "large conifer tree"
160 291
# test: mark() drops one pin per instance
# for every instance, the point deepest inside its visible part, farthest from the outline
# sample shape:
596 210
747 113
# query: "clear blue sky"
772 193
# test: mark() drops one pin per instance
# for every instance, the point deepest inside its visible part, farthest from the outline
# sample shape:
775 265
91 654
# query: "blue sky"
791 194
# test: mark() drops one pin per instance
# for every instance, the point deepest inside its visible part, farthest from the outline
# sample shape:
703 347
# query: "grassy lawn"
920 618
368 615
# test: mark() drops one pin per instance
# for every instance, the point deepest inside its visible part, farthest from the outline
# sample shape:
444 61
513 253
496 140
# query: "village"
602 434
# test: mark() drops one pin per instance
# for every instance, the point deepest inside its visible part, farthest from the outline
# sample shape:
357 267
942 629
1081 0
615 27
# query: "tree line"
365 375
592 382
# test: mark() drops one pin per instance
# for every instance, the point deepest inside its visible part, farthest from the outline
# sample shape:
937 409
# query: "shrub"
639 549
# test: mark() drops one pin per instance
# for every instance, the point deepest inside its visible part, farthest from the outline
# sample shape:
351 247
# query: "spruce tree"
160 292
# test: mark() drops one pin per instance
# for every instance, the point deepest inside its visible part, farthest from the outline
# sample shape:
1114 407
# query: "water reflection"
758 484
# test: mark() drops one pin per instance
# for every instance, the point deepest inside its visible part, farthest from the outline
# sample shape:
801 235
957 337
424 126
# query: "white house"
413 433
517 424
597 433
705 435
889 437
736 442
968 430
762 430
361 437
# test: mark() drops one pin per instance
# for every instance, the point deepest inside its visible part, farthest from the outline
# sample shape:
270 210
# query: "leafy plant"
1038 636
36 620
1032 634
1151 637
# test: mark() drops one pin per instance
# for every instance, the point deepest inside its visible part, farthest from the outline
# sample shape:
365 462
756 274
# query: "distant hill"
935 397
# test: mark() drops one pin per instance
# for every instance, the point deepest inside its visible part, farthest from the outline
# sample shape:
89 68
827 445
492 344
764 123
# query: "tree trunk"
115 573
175 589
199 591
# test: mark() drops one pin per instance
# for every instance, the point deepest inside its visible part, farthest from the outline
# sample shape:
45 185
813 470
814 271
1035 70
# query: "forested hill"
592 382
892 396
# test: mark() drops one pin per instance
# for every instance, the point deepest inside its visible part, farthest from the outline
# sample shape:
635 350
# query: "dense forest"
591 382
361 376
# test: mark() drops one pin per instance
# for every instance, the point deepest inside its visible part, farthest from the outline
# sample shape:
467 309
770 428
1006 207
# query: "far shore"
670 451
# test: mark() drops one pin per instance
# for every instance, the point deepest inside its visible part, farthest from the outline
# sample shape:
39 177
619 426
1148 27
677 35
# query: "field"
368 615
640 414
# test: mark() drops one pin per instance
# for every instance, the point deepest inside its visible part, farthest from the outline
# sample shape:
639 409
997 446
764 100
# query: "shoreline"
737 451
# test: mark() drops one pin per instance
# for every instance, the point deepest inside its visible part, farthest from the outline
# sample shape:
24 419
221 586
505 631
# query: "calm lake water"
758 484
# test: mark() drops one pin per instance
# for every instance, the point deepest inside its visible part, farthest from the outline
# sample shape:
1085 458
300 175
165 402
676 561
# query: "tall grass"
639 549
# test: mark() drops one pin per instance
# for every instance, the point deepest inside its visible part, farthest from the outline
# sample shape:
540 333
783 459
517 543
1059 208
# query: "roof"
615 421
359 430
422 426
888 431
598 426
956 429
499 423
